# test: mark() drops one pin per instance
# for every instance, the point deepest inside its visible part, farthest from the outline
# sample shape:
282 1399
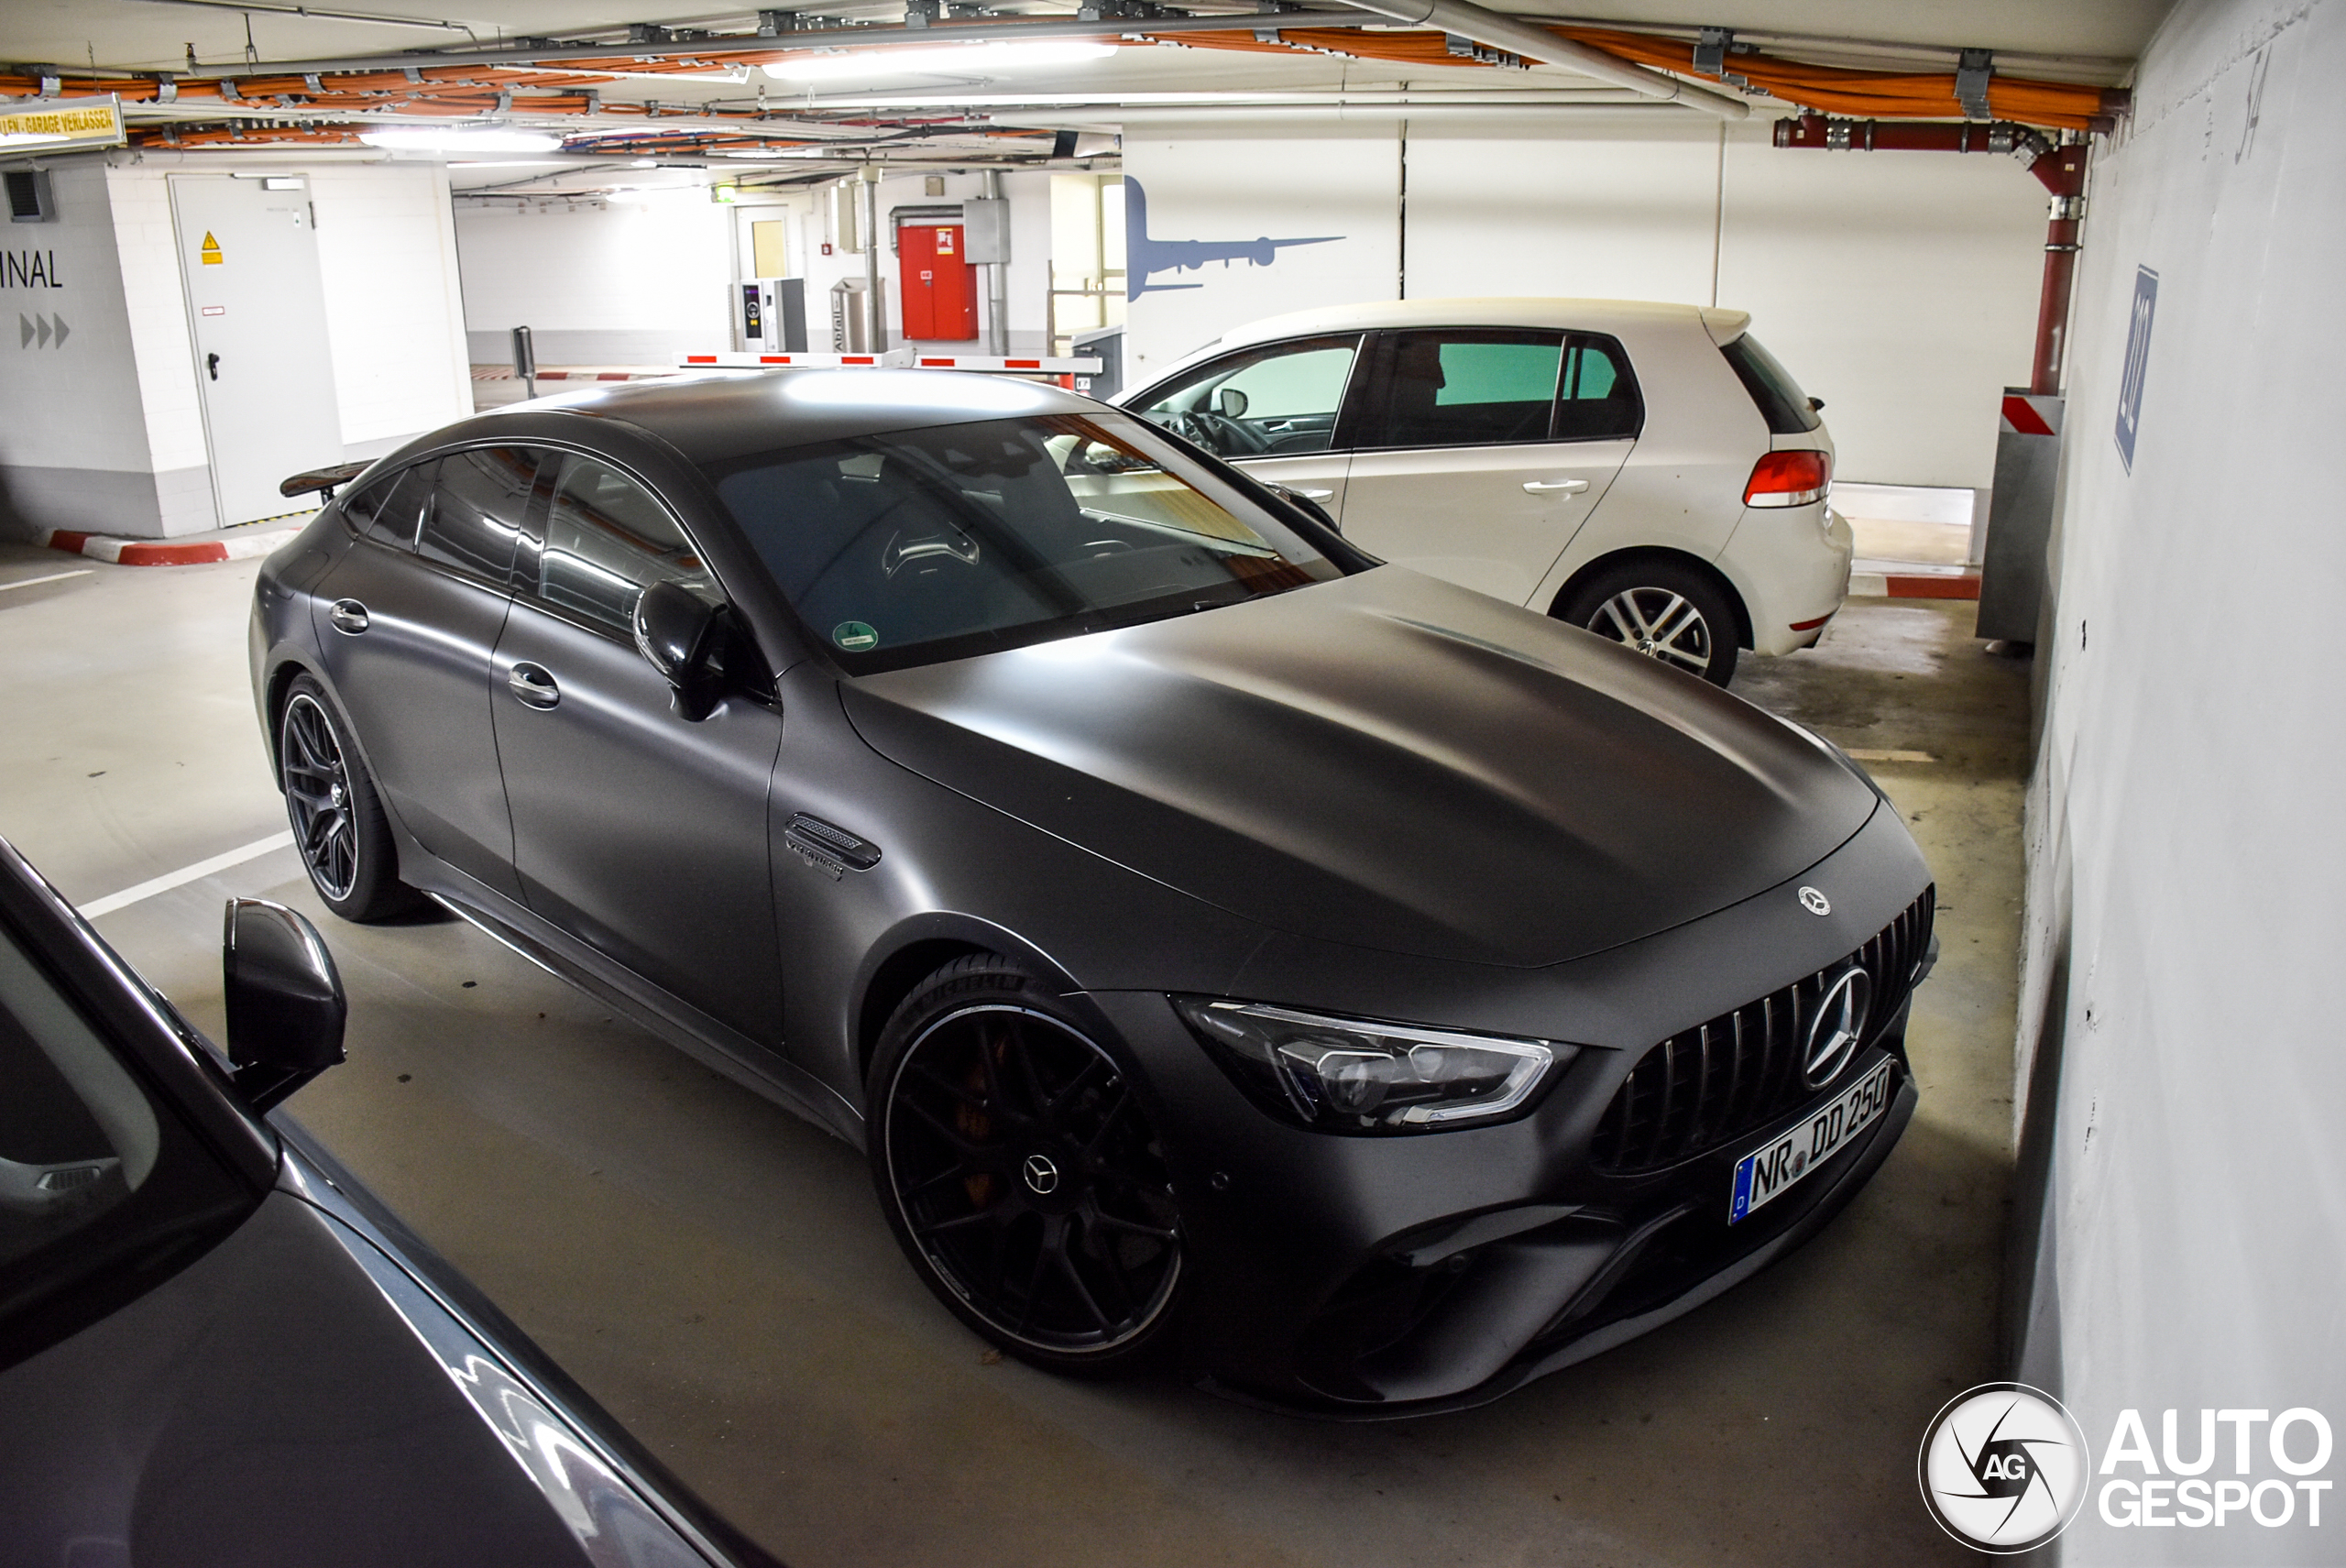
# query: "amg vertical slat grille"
1731 1076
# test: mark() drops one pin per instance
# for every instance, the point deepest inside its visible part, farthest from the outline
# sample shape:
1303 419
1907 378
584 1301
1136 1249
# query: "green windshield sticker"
855 636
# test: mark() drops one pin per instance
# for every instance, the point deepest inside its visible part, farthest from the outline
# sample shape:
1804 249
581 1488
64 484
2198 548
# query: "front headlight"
1351 1075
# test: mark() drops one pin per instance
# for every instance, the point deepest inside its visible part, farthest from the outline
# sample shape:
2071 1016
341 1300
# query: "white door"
250 258
1480 451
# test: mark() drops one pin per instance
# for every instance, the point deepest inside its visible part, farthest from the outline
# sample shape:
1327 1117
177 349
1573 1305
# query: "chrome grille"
1728 1077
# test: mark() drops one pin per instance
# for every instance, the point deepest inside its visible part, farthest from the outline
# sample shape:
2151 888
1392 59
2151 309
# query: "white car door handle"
1312 495
1555 487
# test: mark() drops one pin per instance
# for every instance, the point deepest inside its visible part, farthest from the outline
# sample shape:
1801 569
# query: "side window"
1597 400
1464 386
387 511
1265 402
607 539
477 509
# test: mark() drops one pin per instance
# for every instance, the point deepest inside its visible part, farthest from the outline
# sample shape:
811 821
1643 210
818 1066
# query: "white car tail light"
1788 480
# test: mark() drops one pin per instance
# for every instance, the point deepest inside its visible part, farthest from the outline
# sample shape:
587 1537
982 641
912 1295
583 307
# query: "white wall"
105 434
73 439
625 283
386 252
1216 185
1901 288
2184 906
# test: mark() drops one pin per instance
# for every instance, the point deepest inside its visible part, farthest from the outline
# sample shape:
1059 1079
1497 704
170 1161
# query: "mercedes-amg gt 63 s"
1365 993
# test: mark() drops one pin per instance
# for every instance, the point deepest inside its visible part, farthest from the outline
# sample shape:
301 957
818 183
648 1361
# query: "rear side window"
607 539
1597 398
1780 401
1473 387
477 509
387 511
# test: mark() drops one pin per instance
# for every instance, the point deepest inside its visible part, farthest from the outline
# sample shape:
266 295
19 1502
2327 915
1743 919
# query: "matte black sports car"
1221 942
218 1348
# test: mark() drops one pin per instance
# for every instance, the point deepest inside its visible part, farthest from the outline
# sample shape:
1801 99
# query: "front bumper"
1368 1277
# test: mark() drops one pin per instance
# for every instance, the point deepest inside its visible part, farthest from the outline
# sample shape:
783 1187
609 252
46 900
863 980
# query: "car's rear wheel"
338 824
1021 1172
1663 610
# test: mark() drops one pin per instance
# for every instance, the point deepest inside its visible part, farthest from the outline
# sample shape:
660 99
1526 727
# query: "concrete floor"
718 1273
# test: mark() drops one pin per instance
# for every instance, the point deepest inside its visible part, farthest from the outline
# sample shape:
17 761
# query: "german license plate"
1762 1175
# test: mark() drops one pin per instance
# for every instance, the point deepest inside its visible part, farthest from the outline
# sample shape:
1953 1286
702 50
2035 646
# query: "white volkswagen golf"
1647 471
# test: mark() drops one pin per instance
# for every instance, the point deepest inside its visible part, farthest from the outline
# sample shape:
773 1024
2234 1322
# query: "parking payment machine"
772 315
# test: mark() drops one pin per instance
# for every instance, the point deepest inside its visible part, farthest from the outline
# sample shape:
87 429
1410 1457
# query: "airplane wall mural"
1146 256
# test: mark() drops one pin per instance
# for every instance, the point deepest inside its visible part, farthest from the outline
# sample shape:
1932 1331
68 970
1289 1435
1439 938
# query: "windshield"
929 544
1782 402
102 1187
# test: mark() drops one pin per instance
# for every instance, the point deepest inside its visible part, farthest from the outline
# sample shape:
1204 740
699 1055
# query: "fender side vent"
825 845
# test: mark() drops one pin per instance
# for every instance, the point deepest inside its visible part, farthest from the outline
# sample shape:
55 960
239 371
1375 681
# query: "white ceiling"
151 35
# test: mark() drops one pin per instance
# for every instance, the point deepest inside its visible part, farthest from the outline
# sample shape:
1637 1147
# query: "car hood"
1385 760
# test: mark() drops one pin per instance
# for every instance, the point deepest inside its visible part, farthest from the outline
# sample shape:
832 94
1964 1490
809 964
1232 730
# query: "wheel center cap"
1041 1173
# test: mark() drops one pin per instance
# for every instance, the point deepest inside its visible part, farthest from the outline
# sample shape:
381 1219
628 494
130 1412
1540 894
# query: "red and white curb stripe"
1914 584
238 546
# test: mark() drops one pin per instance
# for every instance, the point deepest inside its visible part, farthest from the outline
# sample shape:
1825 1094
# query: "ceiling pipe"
2061 170
1535 43
940 31
1216 114
1326 97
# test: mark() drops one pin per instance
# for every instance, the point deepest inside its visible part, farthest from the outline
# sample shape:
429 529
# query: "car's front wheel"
1021 1171
338 824
1665 611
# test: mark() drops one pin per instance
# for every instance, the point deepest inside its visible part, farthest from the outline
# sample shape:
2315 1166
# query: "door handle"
212 363
1313 495
1555 487
534 685
348 615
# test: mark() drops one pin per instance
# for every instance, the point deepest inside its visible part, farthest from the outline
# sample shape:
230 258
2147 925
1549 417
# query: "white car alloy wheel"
1660 624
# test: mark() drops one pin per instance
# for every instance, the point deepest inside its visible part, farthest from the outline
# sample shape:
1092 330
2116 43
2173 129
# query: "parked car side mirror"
676 631
1231 402
286 1007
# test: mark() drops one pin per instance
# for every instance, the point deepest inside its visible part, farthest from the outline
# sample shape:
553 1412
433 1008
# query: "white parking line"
1866 754
52 577
184 875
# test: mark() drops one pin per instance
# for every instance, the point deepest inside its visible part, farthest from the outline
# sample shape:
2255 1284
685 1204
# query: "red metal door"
937 285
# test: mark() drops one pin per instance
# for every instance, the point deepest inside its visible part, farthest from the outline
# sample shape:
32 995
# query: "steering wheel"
1219 433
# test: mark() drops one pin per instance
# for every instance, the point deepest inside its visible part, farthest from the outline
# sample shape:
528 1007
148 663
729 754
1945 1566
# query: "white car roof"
1587 315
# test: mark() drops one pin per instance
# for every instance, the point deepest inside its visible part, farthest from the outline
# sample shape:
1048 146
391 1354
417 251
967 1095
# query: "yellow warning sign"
211 249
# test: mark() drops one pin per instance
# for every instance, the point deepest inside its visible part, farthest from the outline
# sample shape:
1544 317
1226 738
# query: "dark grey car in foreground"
1221 942
215 1347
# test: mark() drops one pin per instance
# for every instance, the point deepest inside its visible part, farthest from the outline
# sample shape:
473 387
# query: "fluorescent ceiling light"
512 163
500 138
31 139
947 60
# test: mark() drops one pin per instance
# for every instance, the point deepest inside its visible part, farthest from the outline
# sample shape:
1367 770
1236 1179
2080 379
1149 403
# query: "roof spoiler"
324 481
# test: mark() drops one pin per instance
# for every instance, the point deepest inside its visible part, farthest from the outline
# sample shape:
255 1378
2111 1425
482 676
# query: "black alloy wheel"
1668 612
1020 1170
338 824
